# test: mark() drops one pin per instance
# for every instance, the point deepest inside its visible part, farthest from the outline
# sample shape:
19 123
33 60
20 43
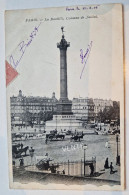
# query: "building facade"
25 110
35 110
83 108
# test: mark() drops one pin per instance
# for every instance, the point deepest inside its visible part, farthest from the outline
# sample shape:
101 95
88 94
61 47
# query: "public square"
63 150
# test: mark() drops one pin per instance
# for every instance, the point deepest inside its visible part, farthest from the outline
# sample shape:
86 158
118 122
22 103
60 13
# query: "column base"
64 107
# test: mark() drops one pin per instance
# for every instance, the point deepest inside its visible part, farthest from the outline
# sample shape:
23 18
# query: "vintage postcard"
65 97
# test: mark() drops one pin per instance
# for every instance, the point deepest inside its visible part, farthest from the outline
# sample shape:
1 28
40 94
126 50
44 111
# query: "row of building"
35 108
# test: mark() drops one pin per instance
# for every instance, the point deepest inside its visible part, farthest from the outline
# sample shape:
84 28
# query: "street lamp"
56 122
84 147
31 154
117 157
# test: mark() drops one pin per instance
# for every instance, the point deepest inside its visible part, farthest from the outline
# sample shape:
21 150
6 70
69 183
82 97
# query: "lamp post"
117 157
84 147
31 154
56 122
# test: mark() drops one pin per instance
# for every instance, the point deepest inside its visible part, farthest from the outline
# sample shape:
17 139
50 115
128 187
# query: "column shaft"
63 74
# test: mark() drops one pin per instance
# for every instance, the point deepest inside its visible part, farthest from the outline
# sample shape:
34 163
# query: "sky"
39 65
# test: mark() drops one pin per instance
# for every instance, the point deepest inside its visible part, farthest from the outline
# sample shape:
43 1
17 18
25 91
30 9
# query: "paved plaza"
62 151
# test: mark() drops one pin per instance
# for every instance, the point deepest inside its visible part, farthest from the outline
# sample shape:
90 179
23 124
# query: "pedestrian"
21 145
31 151
14 162
106 144
92 169
26 136
21 161
111 168
106 166
63 172
46 141
46 154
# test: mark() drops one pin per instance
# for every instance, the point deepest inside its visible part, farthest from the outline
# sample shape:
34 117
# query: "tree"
27 118
110 113
48 116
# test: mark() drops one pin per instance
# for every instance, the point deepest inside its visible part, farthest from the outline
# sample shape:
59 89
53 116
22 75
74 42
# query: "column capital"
63 44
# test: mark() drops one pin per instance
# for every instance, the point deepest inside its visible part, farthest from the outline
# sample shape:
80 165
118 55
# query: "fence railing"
76 168
71 168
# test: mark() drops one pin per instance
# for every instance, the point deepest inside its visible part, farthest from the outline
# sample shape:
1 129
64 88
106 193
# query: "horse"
77 137
17 152
25 149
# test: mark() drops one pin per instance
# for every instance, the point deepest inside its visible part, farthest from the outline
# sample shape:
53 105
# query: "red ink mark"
11 73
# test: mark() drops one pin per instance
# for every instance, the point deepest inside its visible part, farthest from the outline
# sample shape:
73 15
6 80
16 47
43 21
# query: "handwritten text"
15 59
84 57
72 147
82 8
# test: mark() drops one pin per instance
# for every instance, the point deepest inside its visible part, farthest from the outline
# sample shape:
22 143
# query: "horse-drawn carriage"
18 149
44 164
69 132
77 136
53 136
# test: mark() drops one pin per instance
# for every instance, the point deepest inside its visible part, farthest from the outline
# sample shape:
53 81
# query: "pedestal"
63 122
